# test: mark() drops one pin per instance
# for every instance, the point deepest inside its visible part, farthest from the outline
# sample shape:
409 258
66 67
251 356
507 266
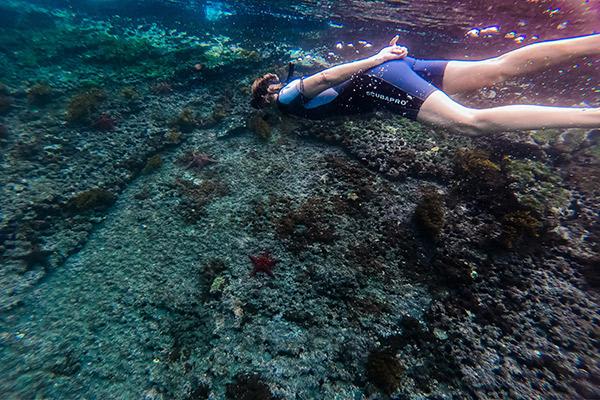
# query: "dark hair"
260 90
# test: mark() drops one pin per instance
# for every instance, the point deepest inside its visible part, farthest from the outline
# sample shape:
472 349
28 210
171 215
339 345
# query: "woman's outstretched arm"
315 84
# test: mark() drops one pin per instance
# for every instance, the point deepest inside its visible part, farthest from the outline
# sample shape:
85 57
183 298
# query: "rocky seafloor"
160 240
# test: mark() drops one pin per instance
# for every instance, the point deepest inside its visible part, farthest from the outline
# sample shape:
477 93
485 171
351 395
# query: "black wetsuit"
399 85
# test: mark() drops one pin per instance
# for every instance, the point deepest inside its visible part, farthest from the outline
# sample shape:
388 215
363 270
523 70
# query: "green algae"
536 185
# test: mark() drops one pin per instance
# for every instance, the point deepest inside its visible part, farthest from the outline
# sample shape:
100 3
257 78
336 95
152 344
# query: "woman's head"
264 90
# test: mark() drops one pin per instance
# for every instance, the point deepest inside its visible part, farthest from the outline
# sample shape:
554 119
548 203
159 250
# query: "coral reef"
39 94
130 93
248 387
186 121
197 197
82 107
5 104
263 262
105 122
429 214
93 199
384 370
196 160
260 127
162 88
152 164
305 225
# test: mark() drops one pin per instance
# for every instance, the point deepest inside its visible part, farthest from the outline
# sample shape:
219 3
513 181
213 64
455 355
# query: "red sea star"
263 263
105 123
199 160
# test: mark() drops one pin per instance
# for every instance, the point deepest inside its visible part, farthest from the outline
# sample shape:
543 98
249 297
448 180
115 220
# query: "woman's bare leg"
525 117
464 76
440 110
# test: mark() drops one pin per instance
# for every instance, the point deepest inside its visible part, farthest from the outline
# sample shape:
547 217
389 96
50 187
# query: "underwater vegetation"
39 94
152 164
259 126
162 88
93 199
517 225
82 107
130 93
212 277
173 136
195 198
186 121
429 214
306 224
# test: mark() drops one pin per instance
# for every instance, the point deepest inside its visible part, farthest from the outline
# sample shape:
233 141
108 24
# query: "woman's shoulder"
290 91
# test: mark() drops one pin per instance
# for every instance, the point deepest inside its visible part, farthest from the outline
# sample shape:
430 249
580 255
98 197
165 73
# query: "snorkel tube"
290 75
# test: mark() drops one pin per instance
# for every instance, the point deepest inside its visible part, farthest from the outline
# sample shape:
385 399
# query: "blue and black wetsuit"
399 85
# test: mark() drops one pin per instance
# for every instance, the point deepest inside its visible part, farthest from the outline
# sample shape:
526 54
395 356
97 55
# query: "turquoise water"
160 239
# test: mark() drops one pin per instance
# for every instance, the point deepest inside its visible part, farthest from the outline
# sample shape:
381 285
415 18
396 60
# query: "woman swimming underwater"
419 89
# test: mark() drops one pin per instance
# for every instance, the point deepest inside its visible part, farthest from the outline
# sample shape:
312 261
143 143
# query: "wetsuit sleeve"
291 92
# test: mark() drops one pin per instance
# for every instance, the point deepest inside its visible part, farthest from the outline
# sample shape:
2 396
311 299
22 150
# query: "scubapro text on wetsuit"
387 98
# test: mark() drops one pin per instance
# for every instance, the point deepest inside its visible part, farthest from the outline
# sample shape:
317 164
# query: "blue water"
161 239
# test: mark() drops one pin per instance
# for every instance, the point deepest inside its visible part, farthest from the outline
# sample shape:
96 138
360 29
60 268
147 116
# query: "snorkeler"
419 89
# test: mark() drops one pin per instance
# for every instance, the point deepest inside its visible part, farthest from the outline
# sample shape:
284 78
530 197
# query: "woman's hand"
392 52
